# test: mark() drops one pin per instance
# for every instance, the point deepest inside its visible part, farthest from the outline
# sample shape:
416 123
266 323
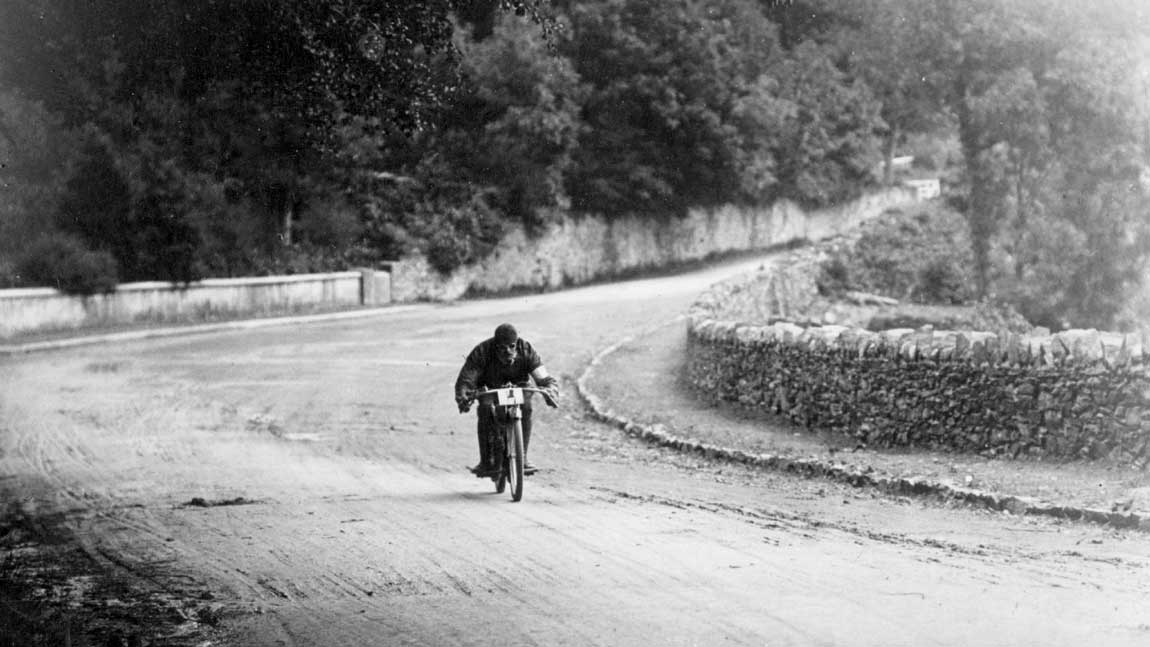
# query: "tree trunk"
289 211
1021 215
980 207
892 136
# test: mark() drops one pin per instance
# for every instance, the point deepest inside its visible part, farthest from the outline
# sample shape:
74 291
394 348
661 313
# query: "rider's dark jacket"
482 369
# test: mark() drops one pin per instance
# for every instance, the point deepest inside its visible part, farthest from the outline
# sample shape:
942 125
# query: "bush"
834 277
922 257
447 251
9 277
941 282
62 262
999 317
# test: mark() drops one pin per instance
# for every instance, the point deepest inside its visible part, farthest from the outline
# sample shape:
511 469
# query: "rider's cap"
506 334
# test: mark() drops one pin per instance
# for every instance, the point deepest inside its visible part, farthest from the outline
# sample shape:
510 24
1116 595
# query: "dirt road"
306 486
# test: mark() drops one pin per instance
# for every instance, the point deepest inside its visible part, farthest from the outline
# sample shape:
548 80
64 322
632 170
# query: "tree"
31 152
664 83
1046 109
823 135
1088 181
892 46
517 123
805 21
243 102
987 42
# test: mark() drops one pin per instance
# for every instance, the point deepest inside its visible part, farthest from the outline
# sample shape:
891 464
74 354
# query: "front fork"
511 414
505 419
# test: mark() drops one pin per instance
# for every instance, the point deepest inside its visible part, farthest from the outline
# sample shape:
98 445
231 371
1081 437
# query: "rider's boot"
484 467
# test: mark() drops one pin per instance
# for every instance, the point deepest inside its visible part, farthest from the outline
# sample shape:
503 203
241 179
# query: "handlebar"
530 389
548 396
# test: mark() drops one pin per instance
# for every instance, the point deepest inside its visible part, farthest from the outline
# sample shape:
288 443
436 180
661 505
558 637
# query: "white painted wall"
578 249
45 309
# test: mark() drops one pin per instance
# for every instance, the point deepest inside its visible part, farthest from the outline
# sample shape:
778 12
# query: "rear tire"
515 459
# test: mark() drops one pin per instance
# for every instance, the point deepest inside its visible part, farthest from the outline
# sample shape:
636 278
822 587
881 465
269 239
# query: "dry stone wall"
1078 394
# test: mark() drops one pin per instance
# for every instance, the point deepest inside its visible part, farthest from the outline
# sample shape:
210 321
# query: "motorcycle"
507 444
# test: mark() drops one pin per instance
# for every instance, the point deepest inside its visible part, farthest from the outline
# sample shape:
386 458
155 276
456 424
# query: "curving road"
328 460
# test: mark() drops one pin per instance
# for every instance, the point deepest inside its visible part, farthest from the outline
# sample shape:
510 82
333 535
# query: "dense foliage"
921 256
212 138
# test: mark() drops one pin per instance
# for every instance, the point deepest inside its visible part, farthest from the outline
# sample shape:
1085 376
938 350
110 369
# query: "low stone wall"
579 249
44 309
1074 394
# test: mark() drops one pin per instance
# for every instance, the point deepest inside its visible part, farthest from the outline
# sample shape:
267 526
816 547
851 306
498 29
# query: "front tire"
515 460
499 453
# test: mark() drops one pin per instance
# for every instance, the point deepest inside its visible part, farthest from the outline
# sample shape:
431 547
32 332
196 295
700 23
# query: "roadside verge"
643 398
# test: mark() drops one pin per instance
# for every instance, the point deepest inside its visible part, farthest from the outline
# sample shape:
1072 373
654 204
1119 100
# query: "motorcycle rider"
505 358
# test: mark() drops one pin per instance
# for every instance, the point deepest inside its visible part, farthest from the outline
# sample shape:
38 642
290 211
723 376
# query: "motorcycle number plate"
507 397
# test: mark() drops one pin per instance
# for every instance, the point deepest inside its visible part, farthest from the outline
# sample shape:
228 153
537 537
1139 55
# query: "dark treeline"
178 140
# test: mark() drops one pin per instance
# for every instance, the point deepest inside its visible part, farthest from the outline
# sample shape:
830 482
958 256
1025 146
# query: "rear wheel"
515 461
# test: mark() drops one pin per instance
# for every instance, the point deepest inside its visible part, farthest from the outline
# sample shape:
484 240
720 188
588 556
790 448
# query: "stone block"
1084 345
750 334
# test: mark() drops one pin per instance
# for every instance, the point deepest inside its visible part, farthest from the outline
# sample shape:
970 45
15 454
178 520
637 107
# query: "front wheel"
515 460
497 450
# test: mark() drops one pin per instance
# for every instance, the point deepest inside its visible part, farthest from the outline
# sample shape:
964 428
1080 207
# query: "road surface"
305 485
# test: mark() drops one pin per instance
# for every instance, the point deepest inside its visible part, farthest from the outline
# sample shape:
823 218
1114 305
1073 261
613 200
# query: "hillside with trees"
167 140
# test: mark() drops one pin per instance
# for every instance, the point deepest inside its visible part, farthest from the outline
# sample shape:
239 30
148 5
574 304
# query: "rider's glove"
550 387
